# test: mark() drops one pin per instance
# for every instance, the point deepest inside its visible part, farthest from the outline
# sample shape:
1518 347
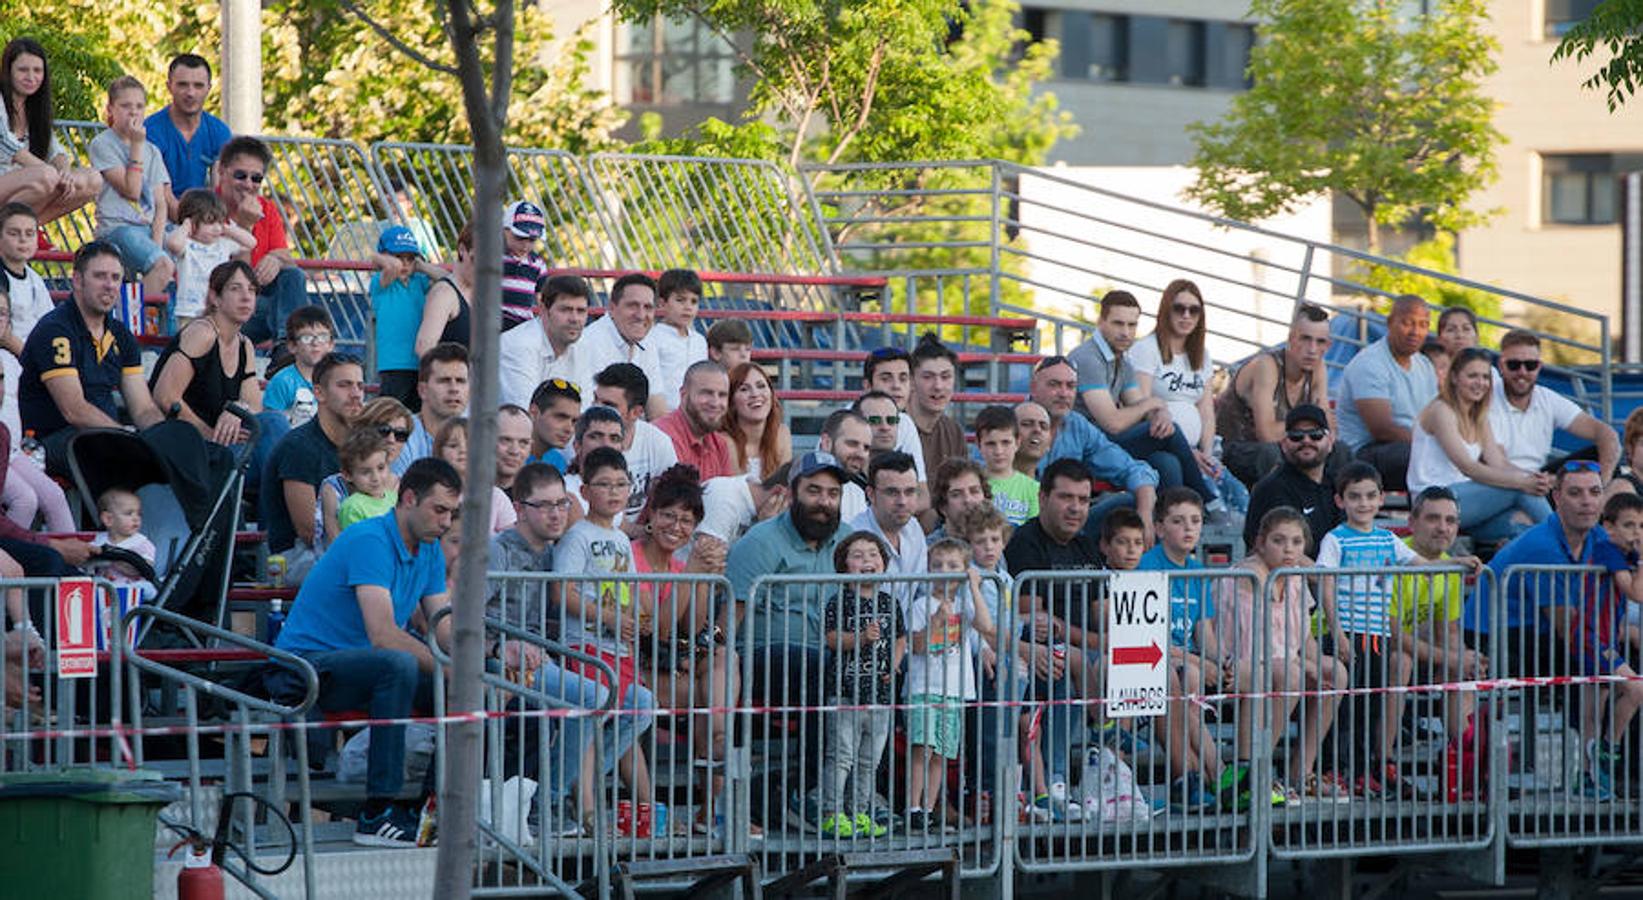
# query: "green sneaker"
864 826
837 825
1232 789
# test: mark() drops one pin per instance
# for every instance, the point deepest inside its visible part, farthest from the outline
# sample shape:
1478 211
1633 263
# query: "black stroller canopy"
171 453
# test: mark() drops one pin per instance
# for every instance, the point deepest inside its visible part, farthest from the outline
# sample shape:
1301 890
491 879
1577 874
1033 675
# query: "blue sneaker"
393 827
1595 787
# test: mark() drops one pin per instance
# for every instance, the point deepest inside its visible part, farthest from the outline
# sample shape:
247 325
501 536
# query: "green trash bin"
80 833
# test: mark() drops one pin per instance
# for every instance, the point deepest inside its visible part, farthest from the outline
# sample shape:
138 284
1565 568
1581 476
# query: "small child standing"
523 224
204 239
864 630
940 678
998 437
399 290
309 335
1364 634
364 489
121 513
678 343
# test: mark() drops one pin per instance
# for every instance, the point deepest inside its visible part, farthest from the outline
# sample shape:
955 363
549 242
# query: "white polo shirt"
527 360
1526 434
603 345
911 558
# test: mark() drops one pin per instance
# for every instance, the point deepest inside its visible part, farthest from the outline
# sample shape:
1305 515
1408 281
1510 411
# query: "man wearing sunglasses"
1299 483
281 288
1524 416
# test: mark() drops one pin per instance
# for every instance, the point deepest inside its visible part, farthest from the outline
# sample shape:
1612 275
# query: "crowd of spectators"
641 443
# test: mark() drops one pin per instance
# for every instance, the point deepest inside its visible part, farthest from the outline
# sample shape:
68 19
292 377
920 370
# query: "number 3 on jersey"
62 355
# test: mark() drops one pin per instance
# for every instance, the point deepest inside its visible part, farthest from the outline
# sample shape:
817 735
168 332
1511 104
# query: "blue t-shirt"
553 456
188 162
398 311
1189 602
326 617
1524 595
1375 375
284 387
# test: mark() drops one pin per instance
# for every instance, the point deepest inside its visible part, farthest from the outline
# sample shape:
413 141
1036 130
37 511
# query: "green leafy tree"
81 66
1391 115
1615 29
1434 255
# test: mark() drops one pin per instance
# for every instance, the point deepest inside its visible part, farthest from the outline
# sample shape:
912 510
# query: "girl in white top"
1451 446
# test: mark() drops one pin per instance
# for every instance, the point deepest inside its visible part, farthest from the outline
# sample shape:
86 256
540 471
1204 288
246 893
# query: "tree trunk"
1374 232
487 107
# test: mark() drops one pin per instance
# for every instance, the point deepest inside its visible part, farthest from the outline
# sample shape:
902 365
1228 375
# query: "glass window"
671 62
1580 188
1563 14
1184 53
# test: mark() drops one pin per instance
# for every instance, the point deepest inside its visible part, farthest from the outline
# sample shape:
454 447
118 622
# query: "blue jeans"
274 426
1486 511
276 300
1101 507
586 693
1171 456
388 684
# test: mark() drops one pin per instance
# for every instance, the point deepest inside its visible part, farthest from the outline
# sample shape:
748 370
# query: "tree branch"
869 92
417 56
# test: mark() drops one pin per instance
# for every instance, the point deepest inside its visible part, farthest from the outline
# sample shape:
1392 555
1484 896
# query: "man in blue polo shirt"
786 620
349 622
78 357
189 138
1054 386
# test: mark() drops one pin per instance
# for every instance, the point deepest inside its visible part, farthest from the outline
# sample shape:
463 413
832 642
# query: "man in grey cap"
786 619
1299 482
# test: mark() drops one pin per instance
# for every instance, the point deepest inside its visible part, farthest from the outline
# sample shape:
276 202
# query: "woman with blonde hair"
1452 447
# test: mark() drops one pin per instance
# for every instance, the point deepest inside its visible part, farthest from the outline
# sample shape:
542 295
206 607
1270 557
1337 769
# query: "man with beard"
1249 414
349 622
1299 483
694 426
306 456
550 347
892 493
1384 388
442 385
785 620
189 138
1054 387
1033 421
847 436
1523 416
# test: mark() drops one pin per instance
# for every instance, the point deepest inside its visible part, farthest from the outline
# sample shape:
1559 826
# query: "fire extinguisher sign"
76 628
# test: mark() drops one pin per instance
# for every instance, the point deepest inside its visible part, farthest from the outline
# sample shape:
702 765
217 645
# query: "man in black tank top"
1249 414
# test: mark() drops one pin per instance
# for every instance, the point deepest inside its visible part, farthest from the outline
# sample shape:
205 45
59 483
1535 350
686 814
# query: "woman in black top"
209 364
445 311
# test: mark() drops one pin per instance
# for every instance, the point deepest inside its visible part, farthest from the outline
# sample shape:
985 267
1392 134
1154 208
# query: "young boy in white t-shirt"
678 343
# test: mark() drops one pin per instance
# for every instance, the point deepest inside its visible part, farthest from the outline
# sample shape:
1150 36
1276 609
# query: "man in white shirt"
649 451
1523 416
848 437
552 346
892 496
620 335
678 344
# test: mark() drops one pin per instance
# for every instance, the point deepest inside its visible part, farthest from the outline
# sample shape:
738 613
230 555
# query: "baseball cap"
397 239
1306 412
814 462
525 219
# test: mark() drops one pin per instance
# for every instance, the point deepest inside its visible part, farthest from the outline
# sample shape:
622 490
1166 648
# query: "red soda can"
624 818
642 817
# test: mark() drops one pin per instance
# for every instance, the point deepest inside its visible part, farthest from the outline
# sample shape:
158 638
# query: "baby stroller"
190 489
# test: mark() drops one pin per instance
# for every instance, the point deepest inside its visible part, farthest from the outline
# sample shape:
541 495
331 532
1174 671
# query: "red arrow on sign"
1149 655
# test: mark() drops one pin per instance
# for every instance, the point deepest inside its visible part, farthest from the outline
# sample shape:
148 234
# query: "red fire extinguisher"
200 878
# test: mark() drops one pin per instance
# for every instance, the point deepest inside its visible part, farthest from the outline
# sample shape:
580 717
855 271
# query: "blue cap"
815 462
525 219
397 239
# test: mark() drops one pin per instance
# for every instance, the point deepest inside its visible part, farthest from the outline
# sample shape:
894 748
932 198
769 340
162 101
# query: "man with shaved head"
1384 387
1033 422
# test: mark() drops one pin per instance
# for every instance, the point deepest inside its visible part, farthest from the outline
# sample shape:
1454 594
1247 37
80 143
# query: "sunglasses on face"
310 340
1187 309
1306 434
399 434
884 420
1522 365
242 175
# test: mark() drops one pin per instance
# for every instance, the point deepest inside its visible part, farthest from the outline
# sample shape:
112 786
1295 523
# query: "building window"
1561 15
674 62
1580 188
1145 49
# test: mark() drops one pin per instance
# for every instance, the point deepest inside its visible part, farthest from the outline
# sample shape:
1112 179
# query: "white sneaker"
1070 808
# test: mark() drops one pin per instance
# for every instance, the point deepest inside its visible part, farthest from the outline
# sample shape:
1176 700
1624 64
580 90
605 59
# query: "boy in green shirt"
1014 493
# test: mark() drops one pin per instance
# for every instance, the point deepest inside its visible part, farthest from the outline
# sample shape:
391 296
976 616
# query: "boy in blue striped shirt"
1357 614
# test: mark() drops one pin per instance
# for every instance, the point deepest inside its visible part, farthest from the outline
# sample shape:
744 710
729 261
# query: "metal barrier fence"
1354 778
35 697
1572 773
873 744
1104 788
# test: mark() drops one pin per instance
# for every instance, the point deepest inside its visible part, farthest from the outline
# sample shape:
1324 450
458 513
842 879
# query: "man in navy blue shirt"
349 621
78 357
189 138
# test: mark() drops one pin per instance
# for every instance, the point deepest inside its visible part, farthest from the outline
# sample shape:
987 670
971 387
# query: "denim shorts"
136 244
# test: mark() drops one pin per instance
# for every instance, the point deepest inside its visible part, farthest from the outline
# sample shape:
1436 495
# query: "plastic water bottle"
276 619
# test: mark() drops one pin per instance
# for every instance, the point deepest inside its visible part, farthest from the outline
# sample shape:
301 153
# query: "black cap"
1306 412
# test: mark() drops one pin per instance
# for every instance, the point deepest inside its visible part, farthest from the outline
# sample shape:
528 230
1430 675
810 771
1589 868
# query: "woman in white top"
1173 365
34 167
1452 447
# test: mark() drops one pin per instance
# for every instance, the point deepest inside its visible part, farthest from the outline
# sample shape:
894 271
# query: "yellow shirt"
1416 598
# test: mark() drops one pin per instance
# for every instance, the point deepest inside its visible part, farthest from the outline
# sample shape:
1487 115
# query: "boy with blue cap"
398 291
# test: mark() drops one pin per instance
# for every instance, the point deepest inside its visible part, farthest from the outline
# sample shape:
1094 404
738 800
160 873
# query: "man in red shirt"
694 426
281 287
